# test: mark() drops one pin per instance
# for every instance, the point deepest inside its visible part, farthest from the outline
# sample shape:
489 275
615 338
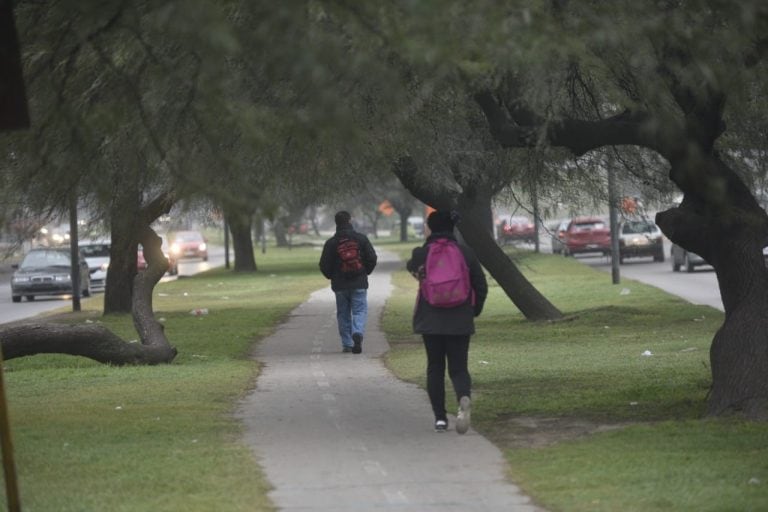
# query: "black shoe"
358 339
346 349
441 426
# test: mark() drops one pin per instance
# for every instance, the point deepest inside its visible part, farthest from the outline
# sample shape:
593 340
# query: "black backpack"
348 250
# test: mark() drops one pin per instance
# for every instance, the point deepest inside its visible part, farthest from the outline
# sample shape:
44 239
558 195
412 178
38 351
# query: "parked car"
96 254
587 234
47 271
513 229
558 236
189 244
682 258
638 238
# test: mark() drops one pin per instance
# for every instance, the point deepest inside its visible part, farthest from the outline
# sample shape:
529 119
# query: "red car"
514 229
587 234
189 244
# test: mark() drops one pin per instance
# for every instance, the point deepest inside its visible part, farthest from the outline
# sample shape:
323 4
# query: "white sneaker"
463 416
441 426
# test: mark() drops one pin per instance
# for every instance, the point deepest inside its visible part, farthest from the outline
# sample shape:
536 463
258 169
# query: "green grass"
586 421
89 437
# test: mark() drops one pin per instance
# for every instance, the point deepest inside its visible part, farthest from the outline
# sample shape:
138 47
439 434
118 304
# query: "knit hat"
441 221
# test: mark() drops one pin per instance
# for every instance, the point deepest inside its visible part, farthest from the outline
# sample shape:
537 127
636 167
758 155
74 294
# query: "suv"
587 234
639 238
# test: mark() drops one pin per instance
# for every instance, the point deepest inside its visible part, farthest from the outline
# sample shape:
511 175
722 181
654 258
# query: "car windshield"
37 259
583 226
188 237
637 227
95 250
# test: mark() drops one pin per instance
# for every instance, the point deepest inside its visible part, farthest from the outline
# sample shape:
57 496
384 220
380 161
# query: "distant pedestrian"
347 259
452 292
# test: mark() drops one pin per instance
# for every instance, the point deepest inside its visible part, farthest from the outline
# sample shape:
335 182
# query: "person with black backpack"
452 292
347 259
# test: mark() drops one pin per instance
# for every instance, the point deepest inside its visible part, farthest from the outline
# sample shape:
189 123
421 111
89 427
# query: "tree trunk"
95 341
404 213
122 250
474 228
240 223
720 220
281 238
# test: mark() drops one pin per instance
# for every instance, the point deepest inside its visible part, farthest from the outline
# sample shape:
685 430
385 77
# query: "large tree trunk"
124 218
240 223
474 207
720 220
95 341
14 113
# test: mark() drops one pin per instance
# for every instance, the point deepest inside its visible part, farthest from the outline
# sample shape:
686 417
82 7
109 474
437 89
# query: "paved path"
337 432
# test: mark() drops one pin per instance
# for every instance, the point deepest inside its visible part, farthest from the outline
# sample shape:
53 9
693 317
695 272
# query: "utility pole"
74 252
614 223
226 244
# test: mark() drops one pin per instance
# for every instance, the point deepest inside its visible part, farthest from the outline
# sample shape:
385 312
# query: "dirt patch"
536 432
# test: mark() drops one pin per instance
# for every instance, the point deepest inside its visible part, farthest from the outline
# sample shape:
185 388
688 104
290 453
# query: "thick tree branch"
93 341
406 171
160 205
579 136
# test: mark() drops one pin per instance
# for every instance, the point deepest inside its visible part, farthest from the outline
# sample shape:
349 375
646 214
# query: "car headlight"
104 267
175 249
21 279
202 247
61 277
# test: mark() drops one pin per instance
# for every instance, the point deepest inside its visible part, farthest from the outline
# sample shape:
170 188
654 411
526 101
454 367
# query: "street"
699 287
10 311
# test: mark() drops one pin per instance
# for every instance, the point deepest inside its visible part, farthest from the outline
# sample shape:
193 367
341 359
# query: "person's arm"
369 256
416 264
326 259
478 282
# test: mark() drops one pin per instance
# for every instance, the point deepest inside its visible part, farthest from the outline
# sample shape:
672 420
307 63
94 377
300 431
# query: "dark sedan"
46 271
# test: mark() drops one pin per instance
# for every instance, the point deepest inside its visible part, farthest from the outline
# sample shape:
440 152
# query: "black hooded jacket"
330 263
458 321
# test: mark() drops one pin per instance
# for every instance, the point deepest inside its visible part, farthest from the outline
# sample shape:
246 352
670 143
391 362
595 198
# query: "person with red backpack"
452 292
347 259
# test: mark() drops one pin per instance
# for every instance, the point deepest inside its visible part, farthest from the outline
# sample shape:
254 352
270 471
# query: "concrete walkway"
338 432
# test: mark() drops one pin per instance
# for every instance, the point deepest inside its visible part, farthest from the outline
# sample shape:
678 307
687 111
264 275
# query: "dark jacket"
428 319
330 263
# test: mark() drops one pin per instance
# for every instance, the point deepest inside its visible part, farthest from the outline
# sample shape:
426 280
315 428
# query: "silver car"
46 271
96 254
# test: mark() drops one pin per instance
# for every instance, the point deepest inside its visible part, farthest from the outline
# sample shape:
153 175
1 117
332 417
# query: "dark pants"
455 349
